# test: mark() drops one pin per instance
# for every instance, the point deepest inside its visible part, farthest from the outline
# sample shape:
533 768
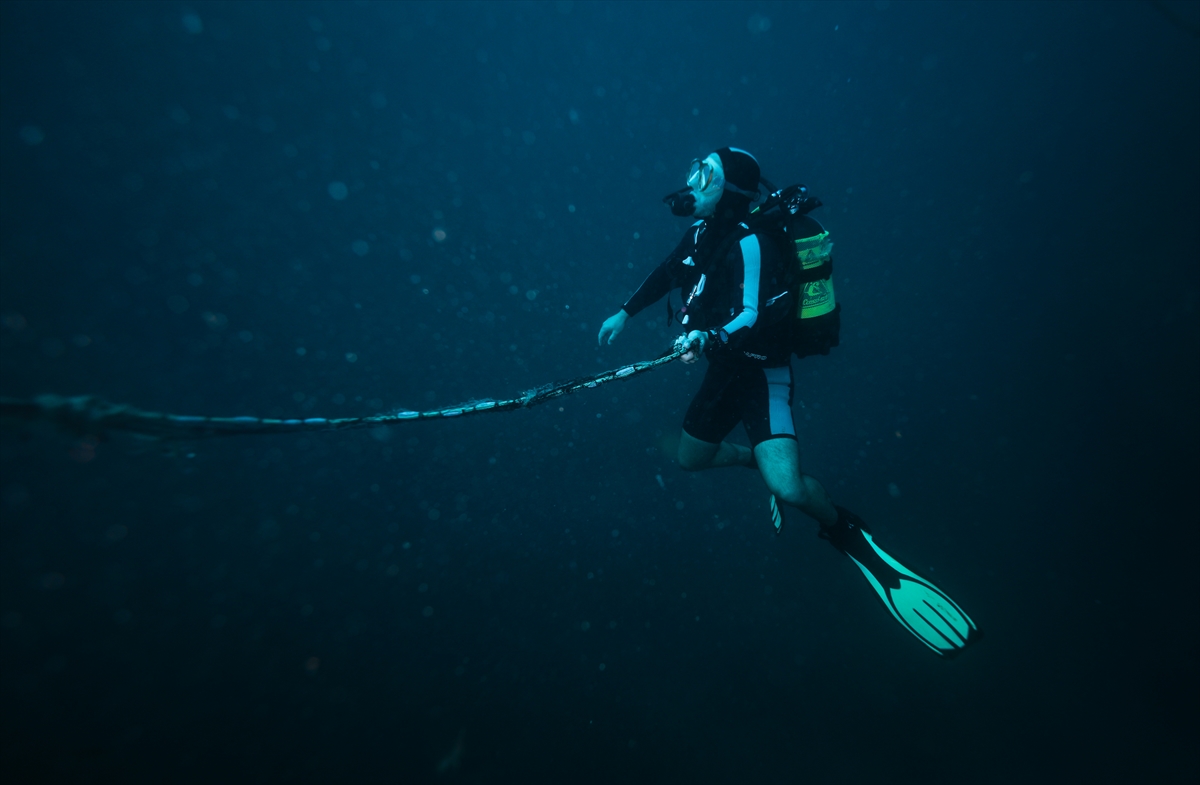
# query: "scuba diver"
757 273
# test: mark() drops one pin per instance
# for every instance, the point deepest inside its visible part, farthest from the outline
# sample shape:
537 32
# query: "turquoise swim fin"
921 608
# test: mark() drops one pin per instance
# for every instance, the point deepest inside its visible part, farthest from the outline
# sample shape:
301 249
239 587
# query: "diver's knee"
793 494
690 462
693 455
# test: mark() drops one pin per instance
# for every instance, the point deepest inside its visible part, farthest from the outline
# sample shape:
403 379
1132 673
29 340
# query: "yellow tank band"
818 299
813 251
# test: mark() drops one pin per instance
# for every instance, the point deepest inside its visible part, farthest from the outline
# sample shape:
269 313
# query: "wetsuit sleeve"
664 278
652 289
747 278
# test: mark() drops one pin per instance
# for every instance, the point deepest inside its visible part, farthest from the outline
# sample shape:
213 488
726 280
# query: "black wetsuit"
729 289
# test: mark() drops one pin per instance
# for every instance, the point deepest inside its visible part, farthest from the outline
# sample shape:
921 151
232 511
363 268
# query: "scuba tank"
815 314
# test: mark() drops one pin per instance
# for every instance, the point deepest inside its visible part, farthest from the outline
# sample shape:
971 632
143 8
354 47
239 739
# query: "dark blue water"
333 209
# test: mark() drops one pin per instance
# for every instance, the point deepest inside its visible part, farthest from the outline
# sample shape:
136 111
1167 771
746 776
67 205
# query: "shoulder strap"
736 235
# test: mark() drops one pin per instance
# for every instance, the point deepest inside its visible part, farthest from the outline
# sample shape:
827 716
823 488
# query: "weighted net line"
88 415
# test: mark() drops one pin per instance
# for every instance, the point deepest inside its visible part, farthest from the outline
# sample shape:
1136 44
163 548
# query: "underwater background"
339 208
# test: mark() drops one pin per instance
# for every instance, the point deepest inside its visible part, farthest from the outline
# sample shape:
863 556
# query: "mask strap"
751 195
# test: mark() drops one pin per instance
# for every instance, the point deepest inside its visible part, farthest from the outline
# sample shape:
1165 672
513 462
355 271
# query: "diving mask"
705 186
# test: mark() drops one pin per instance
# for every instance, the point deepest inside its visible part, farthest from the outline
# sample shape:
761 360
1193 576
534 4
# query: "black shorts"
761 398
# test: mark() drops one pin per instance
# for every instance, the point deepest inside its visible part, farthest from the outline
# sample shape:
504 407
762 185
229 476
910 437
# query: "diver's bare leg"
695 455
779 463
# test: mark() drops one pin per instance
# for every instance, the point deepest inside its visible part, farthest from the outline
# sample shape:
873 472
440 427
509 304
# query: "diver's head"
724 183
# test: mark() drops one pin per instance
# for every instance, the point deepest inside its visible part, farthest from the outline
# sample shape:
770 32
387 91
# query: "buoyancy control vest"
801 291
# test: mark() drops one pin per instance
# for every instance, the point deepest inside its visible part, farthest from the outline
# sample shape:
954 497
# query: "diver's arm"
663 279
652 289
667 275
657 284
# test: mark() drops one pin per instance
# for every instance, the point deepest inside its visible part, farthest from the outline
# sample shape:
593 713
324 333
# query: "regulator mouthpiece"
682 202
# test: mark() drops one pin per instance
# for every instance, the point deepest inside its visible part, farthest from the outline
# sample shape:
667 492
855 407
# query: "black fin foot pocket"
842 535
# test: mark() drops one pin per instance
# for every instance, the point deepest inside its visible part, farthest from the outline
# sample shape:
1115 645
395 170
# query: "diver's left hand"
695 341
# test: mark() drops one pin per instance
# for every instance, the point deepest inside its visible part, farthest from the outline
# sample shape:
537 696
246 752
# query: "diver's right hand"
694 342
612 327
